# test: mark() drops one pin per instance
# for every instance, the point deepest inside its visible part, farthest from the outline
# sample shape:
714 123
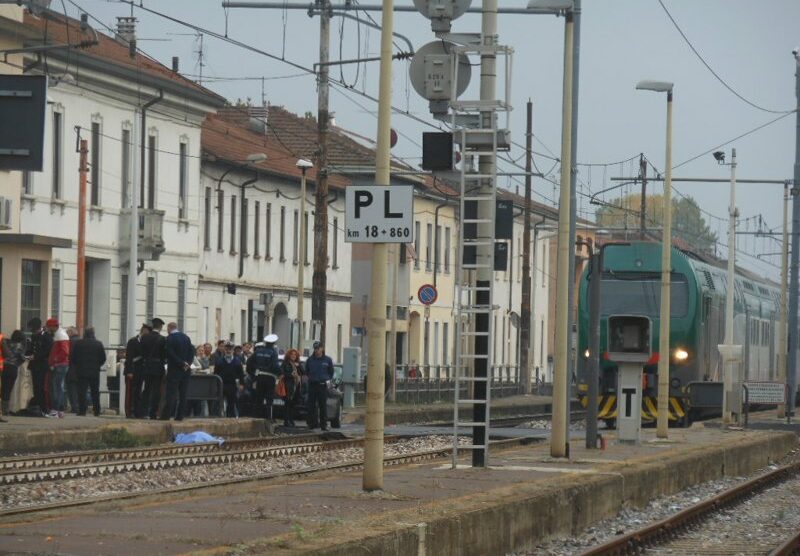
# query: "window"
233 224
283 235
55 292
181 304
245 222
256 230
31 298
447 249
125 168
295 237
429 247
305 239
207 220
220 219
151 172
437 243
123 309
445 340
426 344
95 162
150 298
335 249
244 336
58 119
403 252
27 182
183 193
268 225
642 296
417 241
435 342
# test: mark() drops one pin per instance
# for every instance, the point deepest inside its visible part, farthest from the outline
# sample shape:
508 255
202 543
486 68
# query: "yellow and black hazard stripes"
607 408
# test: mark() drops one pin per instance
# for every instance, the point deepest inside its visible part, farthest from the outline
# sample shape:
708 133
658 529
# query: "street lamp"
252 158
304 165
729 352
666 266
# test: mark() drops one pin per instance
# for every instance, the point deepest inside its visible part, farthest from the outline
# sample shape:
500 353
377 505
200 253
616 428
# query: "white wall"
80 105
264 274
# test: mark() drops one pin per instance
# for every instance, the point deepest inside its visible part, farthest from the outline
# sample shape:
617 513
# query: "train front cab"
631 284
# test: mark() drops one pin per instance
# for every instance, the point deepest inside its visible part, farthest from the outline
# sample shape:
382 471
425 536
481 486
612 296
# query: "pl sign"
379 214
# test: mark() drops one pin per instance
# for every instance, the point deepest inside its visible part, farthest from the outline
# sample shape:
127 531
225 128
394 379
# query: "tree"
688 223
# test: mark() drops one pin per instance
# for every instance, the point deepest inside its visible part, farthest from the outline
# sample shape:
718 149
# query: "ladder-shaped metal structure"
475 303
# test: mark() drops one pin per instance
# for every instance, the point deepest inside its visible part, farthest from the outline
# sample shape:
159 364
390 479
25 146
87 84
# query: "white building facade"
96 93
250 244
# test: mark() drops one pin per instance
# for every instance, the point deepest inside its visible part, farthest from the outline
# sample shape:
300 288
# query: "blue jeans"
57 393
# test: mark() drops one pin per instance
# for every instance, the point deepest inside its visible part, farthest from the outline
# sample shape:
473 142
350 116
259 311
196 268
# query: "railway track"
340 467
691 530
106 462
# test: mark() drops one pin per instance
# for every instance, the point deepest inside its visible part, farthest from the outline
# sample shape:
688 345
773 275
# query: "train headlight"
681 354
586 354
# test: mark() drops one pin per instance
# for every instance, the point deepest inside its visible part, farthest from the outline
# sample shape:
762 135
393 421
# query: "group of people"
251 375
63 368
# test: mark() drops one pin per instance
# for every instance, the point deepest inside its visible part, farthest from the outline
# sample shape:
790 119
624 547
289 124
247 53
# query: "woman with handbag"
290 380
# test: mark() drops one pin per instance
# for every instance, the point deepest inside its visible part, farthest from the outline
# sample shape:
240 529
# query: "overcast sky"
747 42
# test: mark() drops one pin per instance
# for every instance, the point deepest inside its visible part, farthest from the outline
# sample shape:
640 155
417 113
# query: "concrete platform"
39 434
524 497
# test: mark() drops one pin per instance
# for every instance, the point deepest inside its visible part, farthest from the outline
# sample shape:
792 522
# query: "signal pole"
643 202
373 434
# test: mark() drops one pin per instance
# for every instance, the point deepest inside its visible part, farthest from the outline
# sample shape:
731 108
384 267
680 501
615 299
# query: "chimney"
175 64
126 31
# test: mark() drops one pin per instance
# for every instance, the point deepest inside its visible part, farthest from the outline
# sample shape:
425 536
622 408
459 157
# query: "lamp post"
304 165
559 440
662 423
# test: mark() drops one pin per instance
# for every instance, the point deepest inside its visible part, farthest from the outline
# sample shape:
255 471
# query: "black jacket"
229 372
179 350
153 350
133 356
40 346
88 356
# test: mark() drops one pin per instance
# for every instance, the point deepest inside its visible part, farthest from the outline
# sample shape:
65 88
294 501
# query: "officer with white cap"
263 366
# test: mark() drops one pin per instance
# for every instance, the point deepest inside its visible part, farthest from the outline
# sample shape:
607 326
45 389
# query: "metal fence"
437 384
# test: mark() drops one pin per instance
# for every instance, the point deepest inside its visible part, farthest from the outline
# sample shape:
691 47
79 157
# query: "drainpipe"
436 239
147 105
243 223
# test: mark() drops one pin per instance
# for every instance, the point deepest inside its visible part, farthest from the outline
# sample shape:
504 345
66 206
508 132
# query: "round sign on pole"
427 294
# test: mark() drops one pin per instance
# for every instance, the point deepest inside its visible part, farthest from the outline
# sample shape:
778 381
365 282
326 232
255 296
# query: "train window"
763 291
642 296
748 286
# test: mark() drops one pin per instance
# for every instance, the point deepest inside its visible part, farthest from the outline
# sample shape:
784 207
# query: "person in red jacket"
59 365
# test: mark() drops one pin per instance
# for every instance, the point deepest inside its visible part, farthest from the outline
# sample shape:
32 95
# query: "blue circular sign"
427 294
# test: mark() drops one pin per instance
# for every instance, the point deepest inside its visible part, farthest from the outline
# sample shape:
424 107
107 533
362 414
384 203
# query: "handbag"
280 388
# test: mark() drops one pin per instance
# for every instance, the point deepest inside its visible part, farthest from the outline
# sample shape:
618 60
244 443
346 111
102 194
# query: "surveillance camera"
796 51
719 156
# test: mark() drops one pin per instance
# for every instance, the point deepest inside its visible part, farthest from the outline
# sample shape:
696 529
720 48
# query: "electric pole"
643 202
80 313
319 279
525 310
791 371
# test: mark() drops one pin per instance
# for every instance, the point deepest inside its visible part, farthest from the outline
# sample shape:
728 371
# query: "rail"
663 530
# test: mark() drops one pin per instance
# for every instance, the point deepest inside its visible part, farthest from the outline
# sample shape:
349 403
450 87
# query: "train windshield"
639 295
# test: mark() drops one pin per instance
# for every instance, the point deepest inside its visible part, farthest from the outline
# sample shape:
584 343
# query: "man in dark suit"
180 355
88 357
151 349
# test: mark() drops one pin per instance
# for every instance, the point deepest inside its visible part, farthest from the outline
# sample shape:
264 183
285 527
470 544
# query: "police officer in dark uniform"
134 373
263 366
153 351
